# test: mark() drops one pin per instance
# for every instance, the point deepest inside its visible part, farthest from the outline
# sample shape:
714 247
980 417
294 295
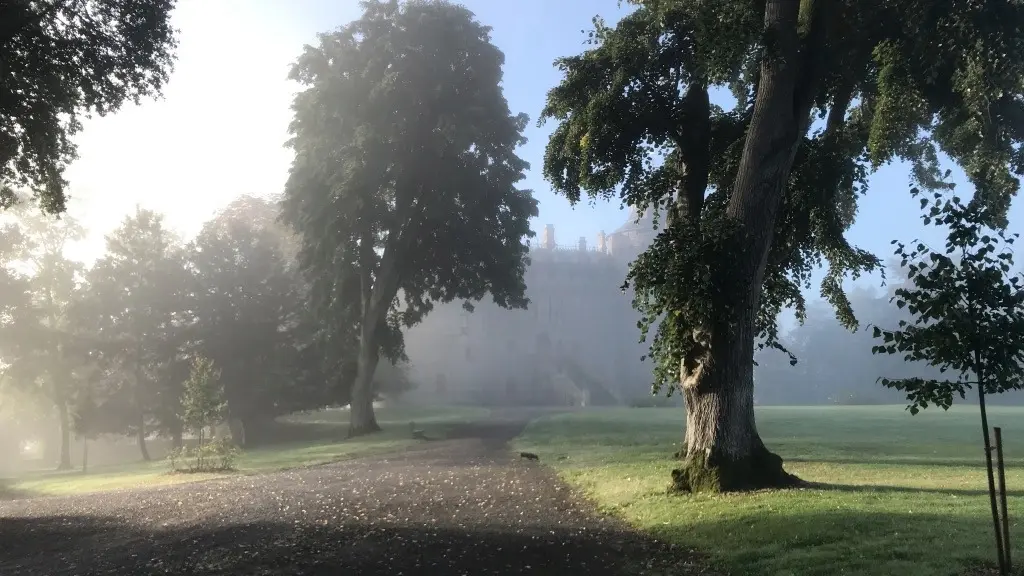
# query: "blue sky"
220 129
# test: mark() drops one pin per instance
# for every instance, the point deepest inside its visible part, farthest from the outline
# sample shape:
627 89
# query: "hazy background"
219 132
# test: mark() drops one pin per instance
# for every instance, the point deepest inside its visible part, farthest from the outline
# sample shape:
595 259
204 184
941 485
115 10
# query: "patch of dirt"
459 506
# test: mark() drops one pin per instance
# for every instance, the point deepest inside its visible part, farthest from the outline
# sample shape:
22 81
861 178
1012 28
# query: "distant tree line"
107 348
403 193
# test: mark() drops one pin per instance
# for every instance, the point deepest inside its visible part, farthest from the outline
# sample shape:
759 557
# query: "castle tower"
602 242
583 244
548 241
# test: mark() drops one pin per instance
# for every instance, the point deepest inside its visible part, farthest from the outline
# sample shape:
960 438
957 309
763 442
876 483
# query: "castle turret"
602 242
549 237
583 244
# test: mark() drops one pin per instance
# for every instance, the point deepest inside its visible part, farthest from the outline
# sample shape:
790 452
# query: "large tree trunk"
362 420
141 437
65 435
723 450
376 298
137 397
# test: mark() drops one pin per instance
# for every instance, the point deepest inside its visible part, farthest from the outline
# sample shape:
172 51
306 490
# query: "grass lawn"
313 438
908 494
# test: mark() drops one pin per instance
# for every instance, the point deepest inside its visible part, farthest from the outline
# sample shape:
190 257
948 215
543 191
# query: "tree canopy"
134 308
403 188
63 59
635 121
758 194
249 312
967 309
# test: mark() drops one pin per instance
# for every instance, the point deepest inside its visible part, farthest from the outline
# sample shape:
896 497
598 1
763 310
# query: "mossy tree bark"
722 449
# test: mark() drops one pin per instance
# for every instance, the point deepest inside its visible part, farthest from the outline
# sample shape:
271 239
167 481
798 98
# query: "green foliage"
64 59
203 406
43 285
635 122
967 307
135 312
249 312
404 180
202 398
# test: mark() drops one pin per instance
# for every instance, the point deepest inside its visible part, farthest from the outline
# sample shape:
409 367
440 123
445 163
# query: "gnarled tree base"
761 470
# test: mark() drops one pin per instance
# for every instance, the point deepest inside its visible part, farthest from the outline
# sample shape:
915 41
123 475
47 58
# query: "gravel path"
463 506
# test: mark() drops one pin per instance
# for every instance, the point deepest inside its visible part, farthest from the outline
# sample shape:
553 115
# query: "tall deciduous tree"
48 360
759 196
249 301
404 181
63 59
134 303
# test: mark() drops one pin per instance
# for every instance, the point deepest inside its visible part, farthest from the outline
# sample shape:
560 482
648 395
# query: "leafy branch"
967 307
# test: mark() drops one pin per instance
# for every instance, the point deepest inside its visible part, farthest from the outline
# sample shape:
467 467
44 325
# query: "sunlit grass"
321 440
907 495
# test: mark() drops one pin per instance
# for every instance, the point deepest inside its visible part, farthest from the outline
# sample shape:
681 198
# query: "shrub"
217 455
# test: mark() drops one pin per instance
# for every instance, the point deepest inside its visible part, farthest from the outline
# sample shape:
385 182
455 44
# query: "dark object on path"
529 456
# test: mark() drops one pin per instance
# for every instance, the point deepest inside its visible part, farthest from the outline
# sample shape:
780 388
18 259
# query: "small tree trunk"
65 436
141 437
988 467
85 454
362 420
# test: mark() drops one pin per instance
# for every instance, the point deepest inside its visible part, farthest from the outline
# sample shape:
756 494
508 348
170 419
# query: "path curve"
462 506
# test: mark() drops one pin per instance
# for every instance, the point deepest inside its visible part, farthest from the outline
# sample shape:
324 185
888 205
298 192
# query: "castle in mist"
576 344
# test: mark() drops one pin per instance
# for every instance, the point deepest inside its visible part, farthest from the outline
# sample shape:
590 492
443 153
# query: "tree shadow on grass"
902 461
904 489
88 545
825 541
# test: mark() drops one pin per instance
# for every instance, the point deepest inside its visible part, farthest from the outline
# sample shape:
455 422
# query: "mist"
234 293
